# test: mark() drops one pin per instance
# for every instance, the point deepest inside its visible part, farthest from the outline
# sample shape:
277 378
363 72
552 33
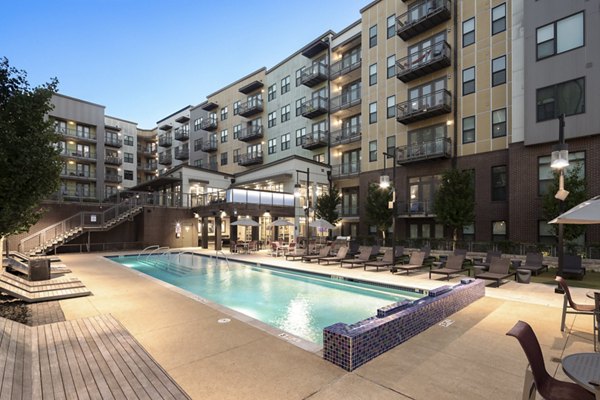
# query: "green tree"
327 205
575 184
454 204
29 159
377 208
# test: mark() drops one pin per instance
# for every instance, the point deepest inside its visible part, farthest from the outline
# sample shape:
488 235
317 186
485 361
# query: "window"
272 119
224 135
300 134
236 107
391 26
391 66
223 113
567 97
285 113
373 150
224 158
372 74
499 123
469 232
468 126
498 230
546 233
299 76
319 157
391 145
128 158
236 155
236 130
285 141
468 32
128 141
373 113
272 146
546 176
373 36
499 178
468 81
499 19
128 175
197 123
560 36
285 85
391 106
299 103
82 131
499 71
272 92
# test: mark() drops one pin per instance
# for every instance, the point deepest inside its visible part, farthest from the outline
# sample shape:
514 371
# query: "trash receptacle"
39 269
523 275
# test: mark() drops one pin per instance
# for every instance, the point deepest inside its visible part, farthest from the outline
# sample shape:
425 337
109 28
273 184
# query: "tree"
454 204
575 184
30 164
327 205
378 211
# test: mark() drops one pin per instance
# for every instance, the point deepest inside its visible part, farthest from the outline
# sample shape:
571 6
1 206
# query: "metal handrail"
155 250
154 246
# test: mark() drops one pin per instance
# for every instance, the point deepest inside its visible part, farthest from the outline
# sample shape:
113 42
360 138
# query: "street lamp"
384 183
559 160
297 193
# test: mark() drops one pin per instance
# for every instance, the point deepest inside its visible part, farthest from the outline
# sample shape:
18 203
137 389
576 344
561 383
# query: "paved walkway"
469 359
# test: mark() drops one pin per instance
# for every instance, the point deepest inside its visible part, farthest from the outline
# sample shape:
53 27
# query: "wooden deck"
91 358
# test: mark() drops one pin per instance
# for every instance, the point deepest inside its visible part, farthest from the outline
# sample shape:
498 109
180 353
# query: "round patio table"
590 294
583 369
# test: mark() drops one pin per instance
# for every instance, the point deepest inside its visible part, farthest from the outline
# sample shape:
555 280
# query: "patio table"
584 369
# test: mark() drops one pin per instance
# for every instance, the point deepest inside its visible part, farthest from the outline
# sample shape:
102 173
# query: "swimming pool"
296 302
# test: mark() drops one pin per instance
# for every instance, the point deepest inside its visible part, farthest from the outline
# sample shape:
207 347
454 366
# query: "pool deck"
470 358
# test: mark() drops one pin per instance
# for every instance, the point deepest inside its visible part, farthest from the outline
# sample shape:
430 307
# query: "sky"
145 59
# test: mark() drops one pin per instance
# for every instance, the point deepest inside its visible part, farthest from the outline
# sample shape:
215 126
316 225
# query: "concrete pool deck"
470 358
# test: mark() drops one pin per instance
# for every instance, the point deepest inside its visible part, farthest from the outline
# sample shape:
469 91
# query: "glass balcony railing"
439 148
346 135
244 196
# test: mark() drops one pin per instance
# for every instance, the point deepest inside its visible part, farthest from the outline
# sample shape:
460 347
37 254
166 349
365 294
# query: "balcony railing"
415 208
79 175
345 170
250 108
208 145
245 197
343 67
251 132
182 153
250 159
112 160
346 100
113 178
346 135
146 150
182 135
349 211
74 133
439 148
83 155
314 107
165 141
209 124
426 61
165 159
314 140
428 106
314 74
213 166
422 16
113 142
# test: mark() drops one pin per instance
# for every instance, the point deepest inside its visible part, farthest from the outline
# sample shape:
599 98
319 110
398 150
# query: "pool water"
299 303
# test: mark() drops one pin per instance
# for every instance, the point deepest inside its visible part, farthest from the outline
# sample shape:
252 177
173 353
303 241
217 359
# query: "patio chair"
547 386
570 307
341 254
233 246
295 253
534 262
488 259
324 252
572 267
452 266
365 254
415 262
399 255
387 261
499 270
276 249
252 246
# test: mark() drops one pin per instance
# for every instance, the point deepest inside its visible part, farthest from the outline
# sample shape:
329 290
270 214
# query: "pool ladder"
224 256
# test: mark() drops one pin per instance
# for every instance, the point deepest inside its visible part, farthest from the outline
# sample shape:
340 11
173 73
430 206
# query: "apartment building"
147 155
174 139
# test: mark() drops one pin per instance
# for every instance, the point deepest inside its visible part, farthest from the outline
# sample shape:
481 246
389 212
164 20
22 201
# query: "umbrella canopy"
587 212
245 222
321 223
282 222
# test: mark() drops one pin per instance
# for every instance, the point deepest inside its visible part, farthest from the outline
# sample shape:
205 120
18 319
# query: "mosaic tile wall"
350 346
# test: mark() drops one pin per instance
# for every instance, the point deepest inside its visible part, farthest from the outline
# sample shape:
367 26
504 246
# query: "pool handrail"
148 248
155 250
224 256
185 252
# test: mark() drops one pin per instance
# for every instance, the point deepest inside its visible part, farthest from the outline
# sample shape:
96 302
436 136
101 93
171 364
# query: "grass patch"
591 280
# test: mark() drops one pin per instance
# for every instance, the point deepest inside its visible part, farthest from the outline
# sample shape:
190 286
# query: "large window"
468 32
391 26
499 71
373 36
128 157
128 140
285 85
272 119
236 107
567 97
128 175
372 74
546 176
372 113
468 129
498 230
224 158
236 130
499 123
391 66
560 36
285 113
285 141
391 146
299 73
224 113
499 19
468 81
391 106
197 123
373 150
300 134
224 136
236 155
499 179
272 92
272 146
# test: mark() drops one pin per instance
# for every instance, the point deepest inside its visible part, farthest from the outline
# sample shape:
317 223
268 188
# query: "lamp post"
297 187
559 160
384 183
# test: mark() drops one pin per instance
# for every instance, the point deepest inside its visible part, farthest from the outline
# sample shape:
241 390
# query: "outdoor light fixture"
384 181
559 160
297 190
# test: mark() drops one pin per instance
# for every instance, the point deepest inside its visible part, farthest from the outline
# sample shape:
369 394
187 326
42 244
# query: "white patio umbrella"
245 222
282 222
321 223
587 212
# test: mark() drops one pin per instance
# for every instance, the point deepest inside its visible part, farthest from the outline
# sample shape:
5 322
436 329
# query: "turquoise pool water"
299 303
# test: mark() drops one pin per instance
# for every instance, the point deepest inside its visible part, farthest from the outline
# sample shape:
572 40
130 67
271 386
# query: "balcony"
78 135
428 106
250 108
250 133
147 151
79 175
113 142
314 107
426 61
439 148
113 178
343 171
165 159
348 211
314 140
313 75
343 67
112 160
415 208
182 135
182 153
209 124
81 155
422 16
246 160
165 141
213 166
346 135
346 100
208 145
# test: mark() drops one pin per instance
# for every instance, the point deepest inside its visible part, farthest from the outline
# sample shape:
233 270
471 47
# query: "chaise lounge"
454 265
363 256
341 254
386 262
415 262
324 252
534 262
499 270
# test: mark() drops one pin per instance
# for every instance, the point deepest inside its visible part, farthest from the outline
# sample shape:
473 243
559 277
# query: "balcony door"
351 126
351 92
422 97
351 162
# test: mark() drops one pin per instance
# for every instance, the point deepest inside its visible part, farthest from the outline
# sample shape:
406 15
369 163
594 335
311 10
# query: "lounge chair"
572 267
488 259
294 252
415 262
363 256
387 261
570 307
341 254
454 265
536 375
534 262
399 255
324 252
499 270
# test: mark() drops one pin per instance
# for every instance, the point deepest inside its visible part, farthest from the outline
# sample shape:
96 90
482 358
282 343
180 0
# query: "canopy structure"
245 222
282 222
321 223
587 213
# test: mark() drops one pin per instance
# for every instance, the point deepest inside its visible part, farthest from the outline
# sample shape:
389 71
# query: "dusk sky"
144 60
